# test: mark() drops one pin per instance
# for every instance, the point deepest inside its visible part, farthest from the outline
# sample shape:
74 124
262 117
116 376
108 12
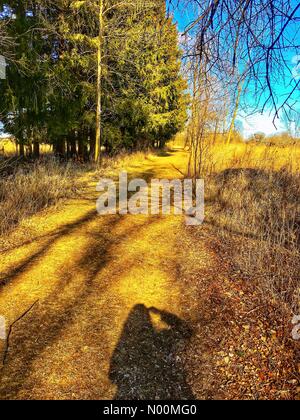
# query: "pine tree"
61 91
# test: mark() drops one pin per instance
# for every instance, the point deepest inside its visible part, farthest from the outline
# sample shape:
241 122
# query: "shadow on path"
146 363
44 325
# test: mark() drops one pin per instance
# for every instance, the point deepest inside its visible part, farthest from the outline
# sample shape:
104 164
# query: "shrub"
31 188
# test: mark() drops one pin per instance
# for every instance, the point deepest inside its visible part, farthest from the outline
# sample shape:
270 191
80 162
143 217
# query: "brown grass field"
212 305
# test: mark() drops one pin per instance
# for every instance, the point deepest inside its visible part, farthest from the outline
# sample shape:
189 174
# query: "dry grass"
253 192
30 188
26 187
257 156
104 296
8 148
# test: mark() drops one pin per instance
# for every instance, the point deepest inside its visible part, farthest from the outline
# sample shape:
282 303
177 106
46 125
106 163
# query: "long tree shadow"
54 237
48 319
146 363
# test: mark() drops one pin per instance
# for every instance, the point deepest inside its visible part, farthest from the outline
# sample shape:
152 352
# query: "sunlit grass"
31 188
88 273
256 156
253 202
8 148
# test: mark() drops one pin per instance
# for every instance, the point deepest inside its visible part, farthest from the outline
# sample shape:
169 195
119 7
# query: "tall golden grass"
253 196
26 189
8 148
252 199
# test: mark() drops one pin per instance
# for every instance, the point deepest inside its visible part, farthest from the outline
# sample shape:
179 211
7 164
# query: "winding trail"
127 307
110 303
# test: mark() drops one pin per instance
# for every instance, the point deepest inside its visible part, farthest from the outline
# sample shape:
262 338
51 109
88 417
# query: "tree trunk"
92 144
68 148
73 146
60 147
236 109
29 150
21 149
81 149
36 149
99 86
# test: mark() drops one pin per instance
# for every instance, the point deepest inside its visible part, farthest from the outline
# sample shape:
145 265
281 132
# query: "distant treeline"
284 138
58 75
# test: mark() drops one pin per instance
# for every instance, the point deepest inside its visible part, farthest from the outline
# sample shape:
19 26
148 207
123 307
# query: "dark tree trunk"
82 145
21 149
29 150
60 148
36 149
73 146
92 144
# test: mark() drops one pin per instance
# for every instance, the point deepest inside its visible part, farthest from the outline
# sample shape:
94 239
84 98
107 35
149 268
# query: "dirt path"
126 307
90 276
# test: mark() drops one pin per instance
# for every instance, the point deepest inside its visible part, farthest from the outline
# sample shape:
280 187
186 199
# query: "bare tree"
255 38
99 84
208 112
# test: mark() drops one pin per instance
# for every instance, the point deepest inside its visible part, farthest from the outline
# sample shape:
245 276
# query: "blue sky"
257 121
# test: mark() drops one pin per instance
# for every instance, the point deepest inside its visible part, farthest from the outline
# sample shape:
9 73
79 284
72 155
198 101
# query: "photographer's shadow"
146 364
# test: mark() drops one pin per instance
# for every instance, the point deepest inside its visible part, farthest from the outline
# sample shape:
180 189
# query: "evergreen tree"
60 91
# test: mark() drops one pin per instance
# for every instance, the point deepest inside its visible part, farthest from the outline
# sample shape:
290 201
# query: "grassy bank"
31 188
252 200
253 193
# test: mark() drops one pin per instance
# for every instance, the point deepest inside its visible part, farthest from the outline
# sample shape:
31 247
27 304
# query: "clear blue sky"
257 122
